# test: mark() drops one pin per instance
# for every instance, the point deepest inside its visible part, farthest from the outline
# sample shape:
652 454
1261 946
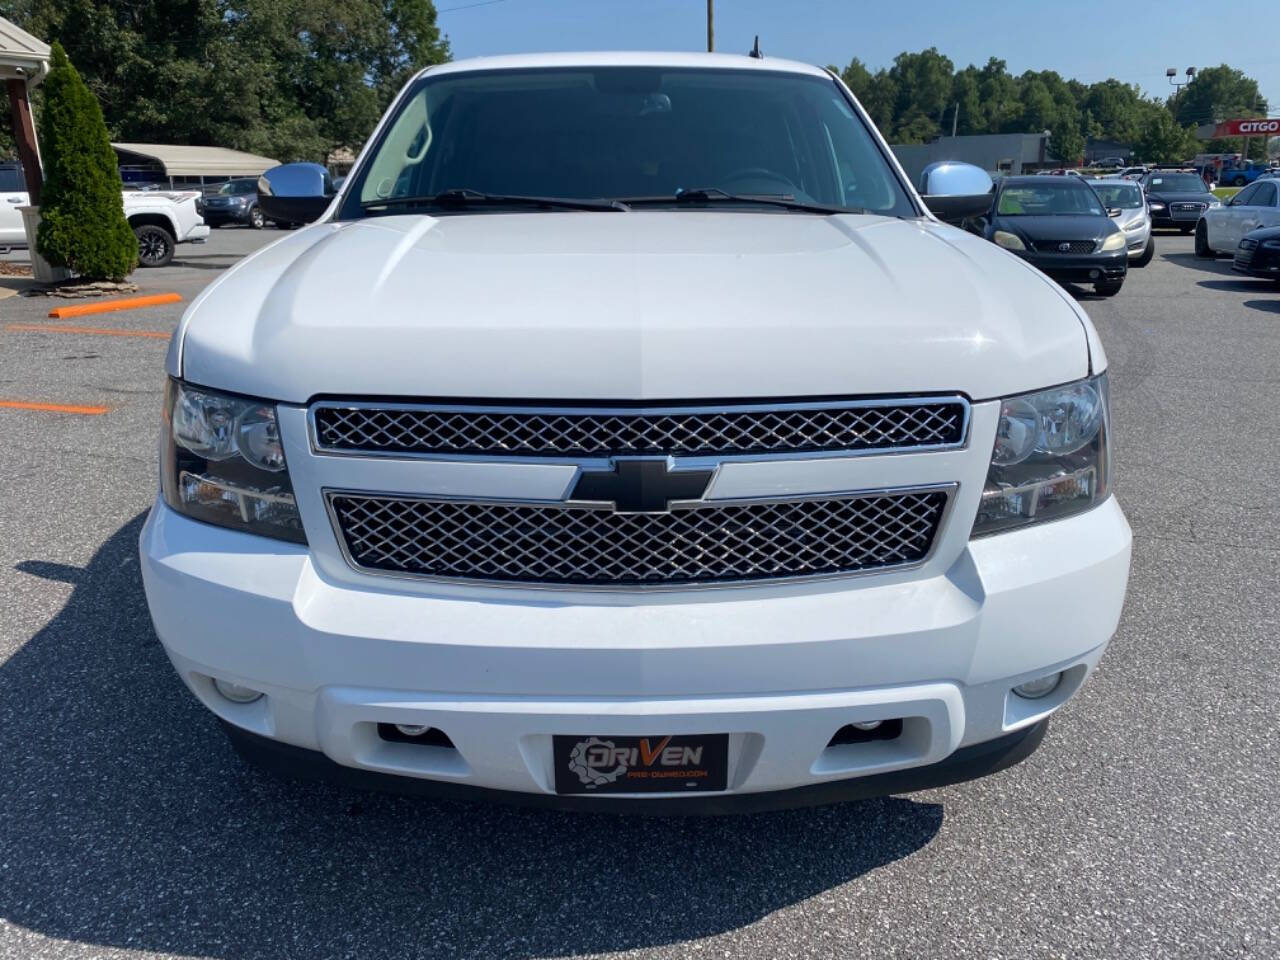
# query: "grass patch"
1222 193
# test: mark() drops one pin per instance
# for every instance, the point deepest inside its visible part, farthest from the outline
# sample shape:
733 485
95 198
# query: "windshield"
235 187
621 133
1051 198
1126 196
1177 183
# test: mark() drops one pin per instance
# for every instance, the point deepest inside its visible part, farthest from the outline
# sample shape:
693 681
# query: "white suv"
627 433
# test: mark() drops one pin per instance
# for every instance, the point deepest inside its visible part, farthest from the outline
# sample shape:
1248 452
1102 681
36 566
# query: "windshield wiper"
465 197
704 195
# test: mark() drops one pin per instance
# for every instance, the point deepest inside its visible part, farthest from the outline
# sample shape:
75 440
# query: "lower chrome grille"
580 546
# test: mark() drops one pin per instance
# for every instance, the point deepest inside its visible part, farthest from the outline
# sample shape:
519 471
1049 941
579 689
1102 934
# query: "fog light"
412 729
866 724
1039 687
236 693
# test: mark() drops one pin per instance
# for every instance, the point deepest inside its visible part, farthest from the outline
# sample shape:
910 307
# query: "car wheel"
1238 182
155 245
1107 288
256 220
1203 250
1147 254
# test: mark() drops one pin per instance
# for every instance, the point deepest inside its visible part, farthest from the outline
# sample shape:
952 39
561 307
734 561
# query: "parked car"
1059 225
627 432
1134 217
1109 163
1177 198
236 201
1130 173
1221 228
162 219
13 196
1258 254
1240 174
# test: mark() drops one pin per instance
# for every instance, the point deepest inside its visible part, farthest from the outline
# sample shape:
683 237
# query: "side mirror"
295 192
955 191
1114 211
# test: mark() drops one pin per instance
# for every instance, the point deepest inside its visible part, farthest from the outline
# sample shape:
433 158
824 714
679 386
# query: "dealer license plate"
670 764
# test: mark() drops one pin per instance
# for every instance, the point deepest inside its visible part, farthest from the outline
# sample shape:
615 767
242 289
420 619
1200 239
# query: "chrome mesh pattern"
555 544
582 433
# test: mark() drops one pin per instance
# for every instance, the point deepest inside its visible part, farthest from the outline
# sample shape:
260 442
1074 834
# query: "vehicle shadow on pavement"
1266 306
129 822
1220 265
1239 284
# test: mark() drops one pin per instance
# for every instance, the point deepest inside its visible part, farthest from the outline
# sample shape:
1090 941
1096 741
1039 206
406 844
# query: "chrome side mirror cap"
955 191
295 192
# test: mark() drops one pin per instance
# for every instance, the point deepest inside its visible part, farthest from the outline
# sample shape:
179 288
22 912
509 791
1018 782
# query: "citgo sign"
1251 127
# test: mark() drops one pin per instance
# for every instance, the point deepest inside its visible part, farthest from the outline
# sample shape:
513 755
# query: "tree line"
923 96
298 79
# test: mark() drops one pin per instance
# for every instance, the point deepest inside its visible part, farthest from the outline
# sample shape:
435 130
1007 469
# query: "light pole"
1172 75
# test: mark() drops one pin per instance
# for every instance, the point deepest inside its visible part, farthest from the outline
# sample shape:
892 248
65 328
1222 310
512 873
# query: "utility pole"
711 26
954 117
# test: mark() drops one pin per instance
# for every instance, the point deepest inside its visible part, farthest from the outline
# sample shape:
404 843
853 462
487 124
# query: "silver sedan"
1134 218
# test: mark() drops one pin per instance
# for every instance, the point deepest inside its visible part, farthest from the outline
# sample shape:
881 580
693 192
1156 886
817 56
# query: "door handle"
14 199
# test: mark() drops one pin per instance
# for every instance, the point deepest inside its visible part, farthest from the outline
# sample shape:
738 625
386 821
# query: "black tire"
256 220
1147 254
1203 250
1107 288
155 245
1238 182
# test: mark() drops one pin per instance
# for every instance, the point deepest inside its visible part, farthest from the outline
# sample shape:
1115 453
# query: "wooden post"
24 135
711 26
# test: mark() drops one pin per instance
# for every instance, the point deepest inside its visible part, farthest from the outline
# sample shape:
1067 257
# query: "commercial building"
1010 153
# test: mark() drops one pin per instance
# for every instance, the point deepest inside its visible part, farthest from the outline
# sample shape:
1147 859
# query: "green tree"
82 224
1163 141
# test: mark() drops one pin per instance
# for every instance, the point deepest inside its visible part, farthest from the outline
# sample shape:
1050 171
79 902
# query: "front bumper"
1257 262
778 668
198 234
1082 268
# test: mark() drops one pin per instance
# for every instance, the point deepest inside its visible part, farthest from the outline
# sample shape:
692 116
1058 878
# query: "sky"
1134 43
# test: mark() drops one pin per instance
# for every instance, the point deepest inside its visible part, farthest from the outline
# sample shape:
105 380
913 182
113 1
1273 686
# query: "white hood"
631 306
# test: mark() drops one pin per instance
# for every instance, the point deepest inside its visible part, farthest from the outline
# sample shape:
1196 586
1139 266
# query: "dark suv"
236 201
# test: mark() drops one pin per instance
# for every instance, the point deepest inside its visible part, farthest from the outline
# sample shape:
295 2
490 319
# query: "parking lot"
1145 826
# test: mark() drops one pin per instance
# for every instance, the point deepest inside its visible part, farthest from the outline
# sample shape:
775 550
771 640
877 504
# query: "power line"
469 6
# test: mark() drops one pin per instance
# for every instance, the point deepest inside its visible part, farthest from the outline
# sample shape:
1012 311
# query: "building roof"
179 160
21 54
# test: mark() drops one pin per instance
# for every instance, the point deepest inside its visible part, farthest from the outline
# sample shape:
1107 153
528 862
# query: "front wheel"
1107 288
155 245
1238 182
256 220
1147 254
1203 250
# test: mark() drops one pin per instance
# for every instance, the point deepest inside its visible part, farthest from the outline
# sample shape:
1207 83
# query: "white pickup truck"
628 432
160 219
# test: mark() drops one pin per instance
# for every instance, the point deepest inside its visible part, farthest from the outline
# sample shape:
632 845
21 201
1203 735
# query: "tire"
1238 182
1203 250
155 245
256 220
1147 254
1107 288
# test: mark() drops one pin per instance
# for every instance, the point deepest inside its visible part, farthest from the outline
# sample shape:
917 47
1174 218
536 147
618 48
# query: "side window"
1265 196
1245 197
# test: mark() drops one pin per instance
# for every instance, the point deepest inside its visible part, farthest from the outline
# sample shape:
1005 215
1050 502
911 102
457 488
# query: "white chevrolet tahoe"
627 433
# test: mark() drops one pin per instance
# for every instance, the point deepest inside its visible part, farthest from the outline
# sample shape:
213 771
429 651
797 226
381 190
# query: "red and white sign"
1251 127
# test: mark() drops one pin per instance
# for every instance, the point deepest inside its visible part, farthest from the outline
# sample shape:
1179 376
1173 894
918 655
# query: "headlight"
1133 226
1115 241
1010 241
1156 206
221 461
1215 202
1050 458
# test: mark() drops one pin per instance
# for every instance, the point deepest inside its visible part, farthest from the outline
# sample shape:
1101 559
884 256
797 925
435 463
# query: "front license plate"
660 764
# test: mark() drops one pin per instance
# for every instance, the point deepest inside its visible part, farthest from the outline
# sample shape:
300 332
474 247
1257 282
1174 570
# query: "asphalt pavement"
1145 826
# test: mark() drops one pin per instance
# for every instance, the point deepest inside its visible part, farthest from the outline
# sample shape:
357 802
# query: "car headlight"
1114 241
1215 202
1155 206
1133 226
1010 241
1050 458
221 461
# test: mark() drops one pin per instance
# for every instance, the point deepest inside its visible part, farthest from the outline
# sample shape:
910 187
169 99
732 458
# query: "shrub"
82 223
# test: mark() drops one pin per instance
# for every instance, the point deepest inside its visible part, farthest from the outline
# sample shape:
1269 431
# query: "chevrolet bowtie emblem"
641 485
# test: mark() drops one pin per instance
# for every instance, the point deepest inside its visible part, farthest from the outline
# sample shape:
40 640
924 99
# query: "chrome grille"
703 543
688 431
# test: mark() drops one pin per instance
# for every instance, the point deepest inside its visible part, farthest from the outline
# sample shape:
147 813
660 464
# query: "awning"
22 56
185 161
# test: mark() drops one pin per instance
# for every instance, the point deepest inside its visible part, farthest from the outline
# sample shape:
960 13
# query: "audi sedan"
1060 225
1177 198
